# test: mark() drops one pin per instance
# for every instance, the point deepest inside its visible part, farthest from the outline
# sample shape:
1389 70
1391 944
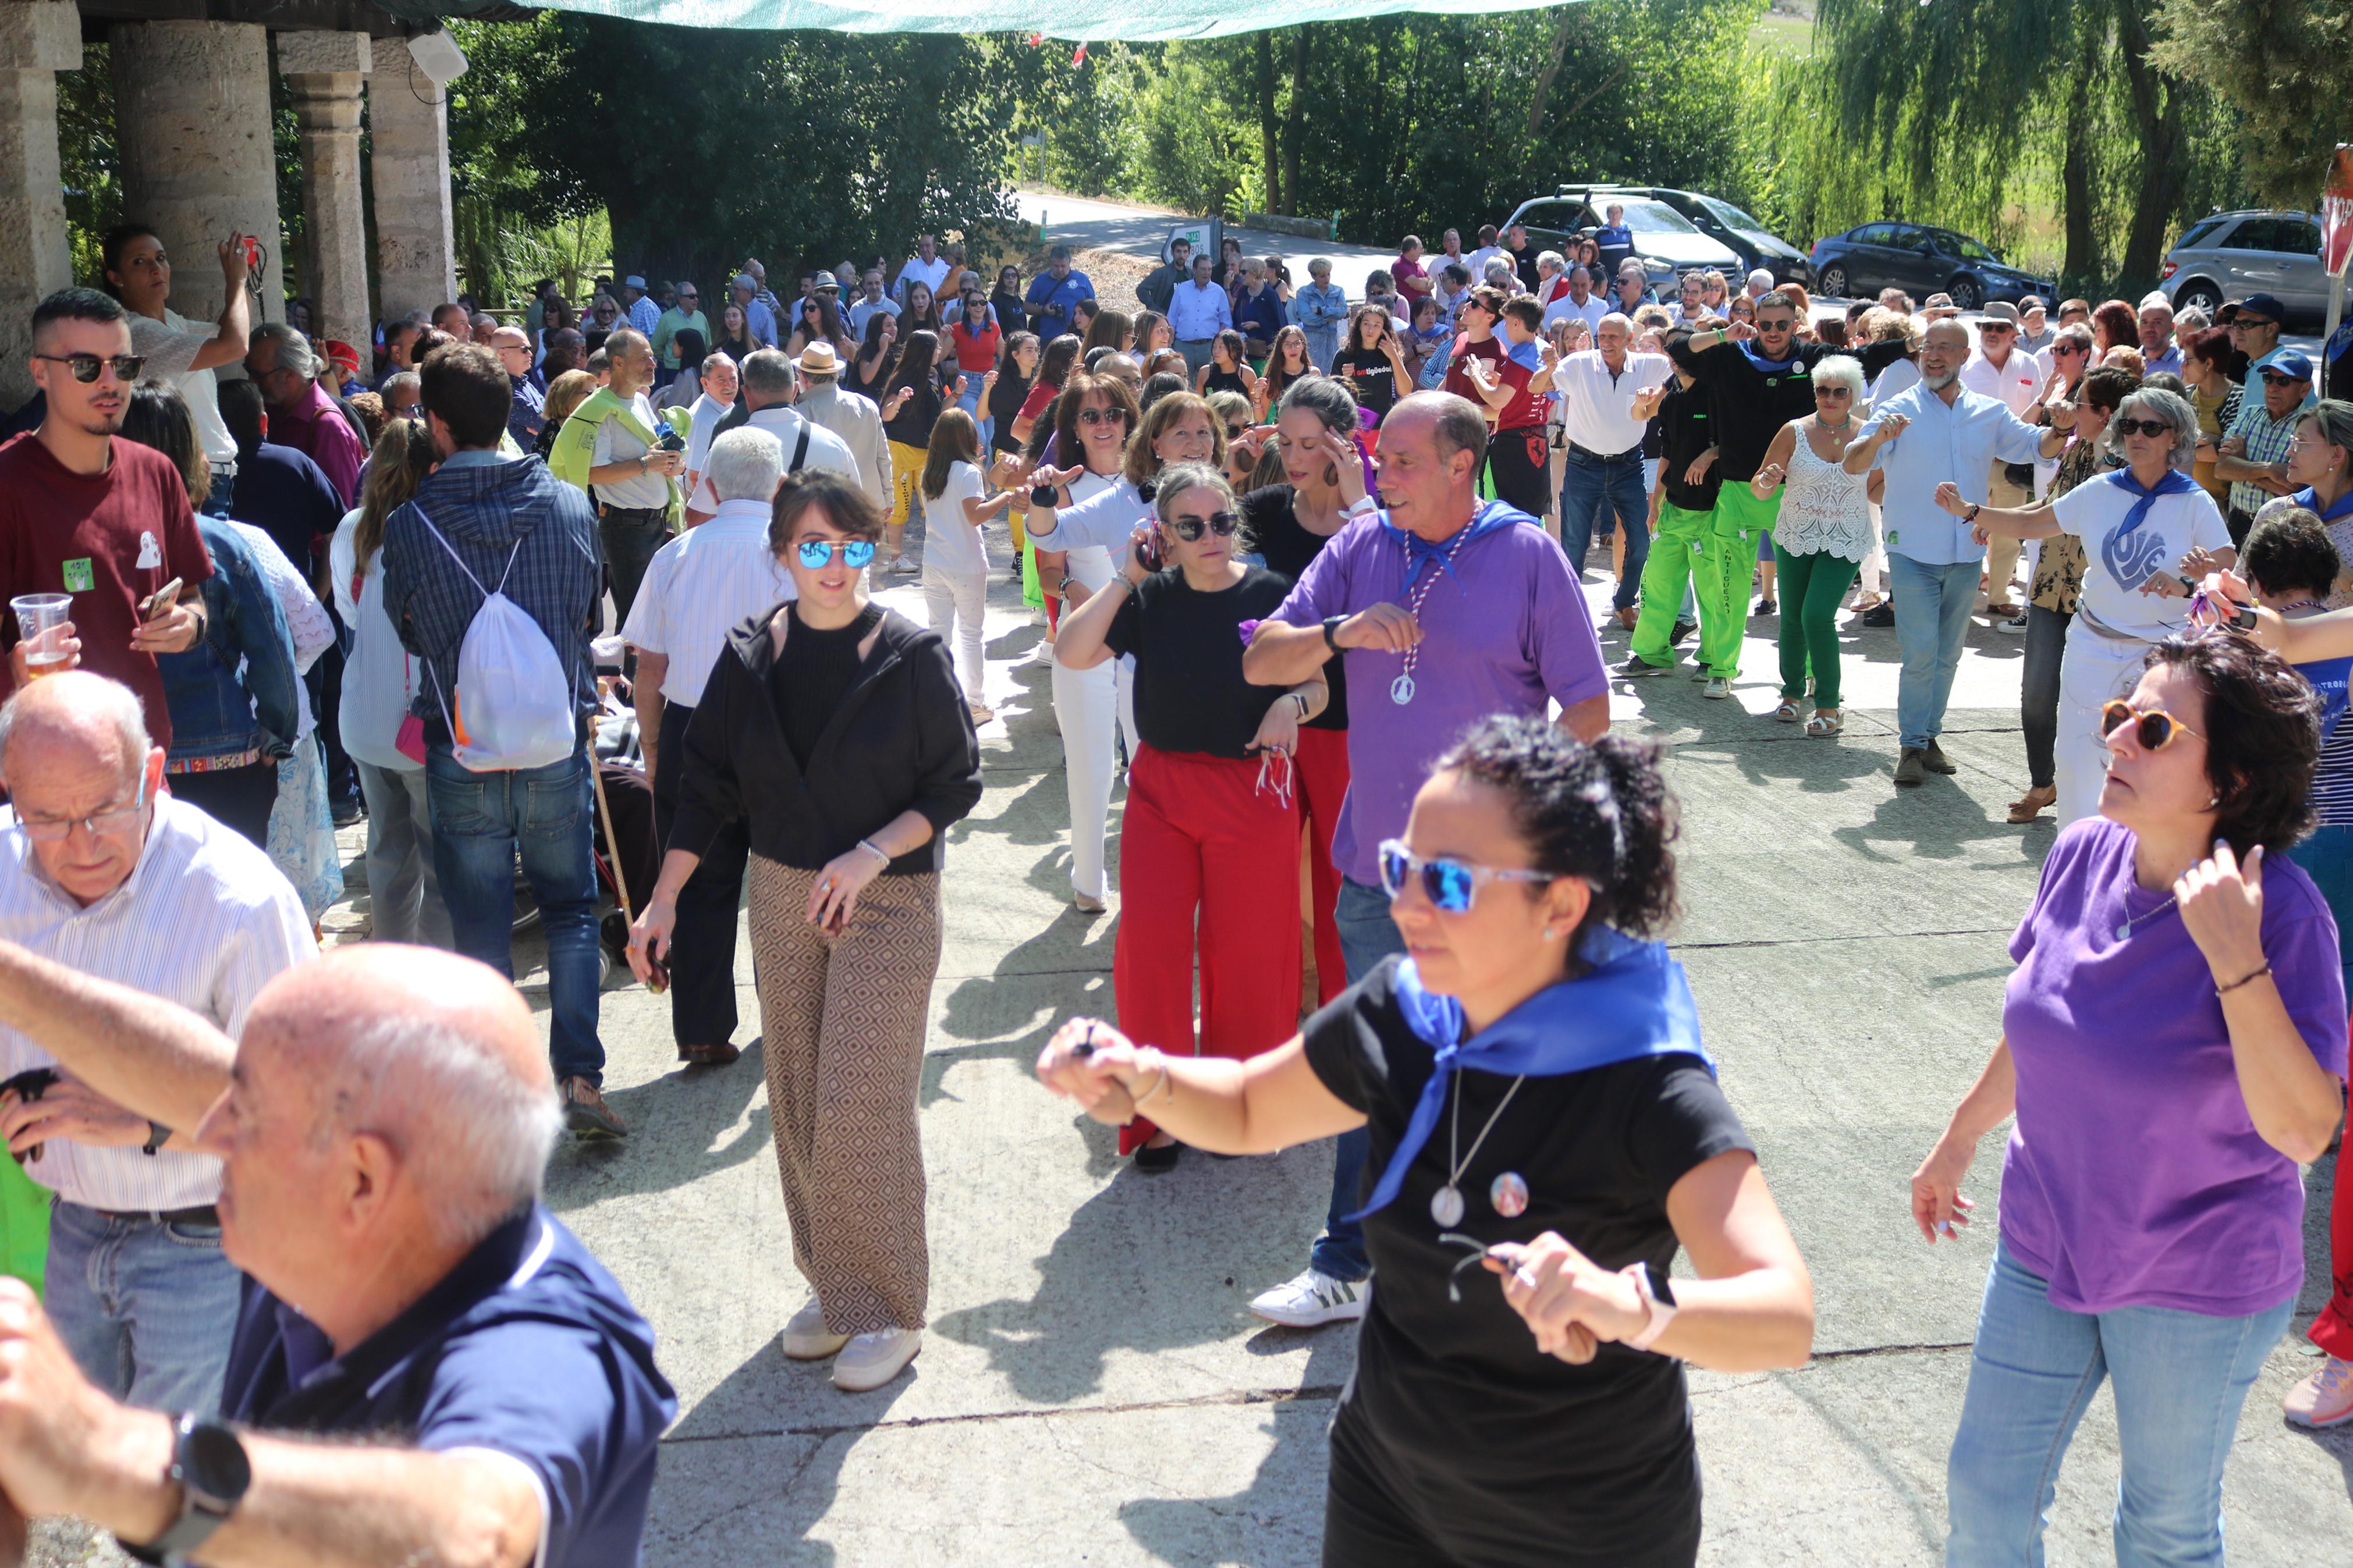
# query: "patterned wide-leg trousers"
841 1028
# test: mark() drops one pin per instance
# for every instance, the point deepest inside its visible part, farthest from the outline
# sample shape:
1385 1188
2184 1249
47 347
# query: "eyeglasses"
2143 427
2244 320
1102 416
1451 884
85 367
2156 731
817 553
113 819
1189 529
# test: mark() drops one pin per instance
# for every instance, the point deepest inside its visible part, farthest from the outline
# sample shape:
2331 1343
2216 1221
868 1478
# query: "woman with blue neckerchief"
1538 1103
2137 524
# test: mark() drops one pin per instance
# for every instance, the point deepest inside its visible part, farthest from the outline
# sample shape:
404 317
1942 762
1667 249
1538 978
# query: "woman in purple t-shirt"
2171 1041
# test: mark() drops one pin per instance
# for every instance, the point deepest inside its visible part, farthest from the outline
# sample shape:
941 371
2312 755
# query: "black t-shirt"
1223 380
812 675
1597 1459
1376 378
1189 692
913 426
1683 428
1004 400
1288 546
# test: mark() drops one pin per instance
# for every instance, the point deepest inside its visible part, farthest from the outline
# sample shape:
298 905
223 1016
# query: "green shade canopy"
1136 21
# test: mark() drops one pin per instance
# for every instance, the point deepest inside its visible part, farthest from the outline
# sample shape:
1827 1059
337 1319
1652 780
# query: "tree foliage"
2283 64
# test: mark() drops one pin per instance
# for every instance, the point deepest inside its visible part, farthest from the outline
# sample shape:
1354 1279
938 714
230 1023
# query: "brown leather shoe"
1937 763
2029 806
1911 769
585 1112
717 1056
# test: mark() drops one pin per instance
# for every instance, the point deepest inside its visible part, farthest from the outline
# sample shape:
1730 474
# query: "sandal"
1787 712
1825 723
2029 806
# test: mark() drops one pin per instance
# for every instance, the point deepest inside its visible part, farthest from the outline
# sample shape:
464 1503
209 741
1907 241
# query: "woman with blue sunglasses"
1538 1103
837 730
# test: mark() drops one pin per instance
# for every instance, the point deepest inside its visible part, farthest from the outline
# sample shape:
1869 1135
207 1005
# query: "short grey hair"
714 359
1553 259
288 350
2073 333
105 699
1178 478
1841 370
2158 404
769 372
476 1137
2332 421
744 464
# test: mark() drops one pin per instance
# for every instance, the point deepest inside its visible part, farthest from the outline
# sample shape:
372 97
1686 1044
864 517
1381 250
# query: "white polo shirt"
1597 406
826 450
204 920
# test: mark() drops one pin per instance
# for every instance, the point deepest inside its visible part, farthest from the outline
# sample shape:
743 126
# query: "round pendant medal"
1446 1206
1509 1193
1401 690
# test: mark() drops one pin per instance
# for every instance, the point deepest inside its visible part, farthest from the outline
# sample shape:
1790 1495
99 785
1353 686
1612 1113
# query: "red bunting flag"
1079 58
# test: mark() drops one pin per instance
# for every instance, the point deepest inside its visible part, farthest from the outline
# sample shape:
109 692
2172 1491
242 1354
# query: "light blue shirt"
1960 444
760 323
1197 310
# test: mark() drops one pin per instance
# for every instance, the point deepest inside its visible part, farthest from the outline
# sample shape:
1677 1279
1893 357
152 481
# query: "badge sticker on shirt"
78 577
149 552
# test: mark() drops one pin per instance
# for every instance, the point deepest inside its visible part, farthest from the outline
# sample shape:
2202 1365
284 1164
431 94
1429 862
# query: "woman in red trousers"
1208 849
1324 492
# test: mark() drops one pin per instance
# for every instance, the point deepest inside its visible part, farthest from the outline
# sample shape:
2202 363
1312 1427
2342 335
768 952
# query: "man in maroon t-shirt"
104 520
1405 271
1504 384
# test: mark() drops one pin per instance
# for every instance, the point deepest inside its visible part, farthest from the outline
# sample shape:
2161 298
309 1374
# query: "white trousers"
959 600
2094 669
1088 704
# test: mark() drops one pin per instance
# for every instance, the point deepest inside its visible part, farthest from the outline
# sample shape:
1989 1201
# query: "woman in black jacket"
836 728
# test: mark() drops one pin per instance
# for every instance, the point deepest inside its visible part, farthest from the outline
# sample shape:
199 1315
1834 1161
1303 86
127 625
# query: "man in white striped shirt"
101 872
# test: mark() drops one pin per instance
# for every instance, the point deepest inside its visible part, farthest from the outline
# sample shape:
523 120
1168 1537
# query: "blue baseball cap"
2290 364
2265 305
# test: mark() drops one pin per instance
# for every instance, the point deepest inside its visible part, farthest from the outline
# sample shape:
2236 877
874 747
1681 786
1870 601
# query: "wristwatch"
157 1136
1659 1293
1332 624
210 1468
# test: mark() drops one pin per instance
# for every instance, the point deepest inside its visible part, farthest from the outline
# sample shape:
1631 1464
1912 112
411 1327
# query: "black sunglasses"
2143 427
1189 529
85 367
2271 378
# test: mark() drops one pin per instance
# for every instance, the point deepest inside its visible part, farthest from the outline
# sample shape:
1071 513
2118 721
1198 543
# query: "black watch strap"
1332 631
1661 1287
209 1467
157 1136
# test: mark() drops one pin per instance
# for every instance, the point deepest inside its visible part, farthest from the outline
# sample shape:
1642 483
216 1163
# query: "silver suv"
2232 255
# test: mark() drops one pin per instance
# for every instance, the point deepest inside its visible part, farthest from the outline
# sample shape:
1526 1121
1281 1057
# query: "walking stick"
605 811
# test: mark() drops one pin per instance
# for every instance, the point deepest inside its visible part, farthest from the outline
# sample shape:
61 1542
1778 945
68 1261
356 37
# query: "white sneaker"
805 1337
901 563
1716 687
1314 1300
870 1361
2015 625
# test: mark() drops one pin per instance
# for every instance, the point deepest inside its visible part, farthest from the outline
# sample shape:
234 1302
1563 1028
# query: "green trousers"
1676 547
1812 587
1727 562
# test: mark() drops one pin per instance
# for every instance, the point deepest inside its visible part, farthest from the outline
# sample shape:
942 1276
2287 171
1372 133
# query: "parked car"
1920 260
1667 242
1742 235
2232 254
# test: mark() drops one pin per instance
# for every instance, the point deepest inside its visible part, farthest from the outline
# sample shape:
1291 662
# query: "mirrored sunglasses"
856 553
1449 884
85 367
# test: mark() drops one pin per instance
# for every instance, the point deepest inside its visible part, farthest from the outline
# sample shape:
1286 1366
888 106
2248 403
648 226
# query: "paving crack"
825 1430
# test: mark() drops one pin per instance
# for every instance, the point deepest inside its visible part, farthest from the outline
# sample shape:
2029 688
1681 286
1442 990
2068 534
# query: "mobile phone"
30 1086
1148 552
162 599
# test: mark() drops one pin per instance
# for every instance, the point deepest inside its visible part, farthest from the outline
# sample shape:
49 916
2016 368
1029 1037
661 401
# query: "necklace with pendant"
1401 689
1446 1203
2126 929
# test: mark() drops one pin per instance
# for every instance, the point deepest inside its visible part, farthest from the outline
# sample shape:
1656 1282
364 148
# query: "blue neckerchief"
1769 366
1491 516
2173 483
1634 1002
2310 498
1528 355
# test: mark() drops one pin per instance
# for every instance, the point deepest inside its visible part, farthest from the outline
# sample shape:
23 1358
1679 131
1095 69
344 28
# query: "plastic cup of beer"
40 627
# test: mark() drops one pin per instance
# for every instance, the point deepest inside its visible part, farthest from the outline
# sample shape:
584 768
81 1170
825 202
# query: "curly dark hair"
1601 811
2290 550
2263 737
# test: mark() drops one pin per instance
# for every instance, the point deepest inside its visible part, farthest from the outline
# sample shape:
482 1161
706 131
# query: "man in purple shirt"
301 415
1447 609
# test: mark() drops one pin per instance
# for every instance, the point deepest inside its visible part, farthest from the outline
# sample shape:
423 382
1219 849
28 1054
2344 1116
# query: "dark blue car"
1921 262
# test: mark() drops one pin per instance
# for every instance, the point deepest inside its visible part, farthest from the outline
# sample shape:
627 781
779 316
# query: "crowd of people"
1309 572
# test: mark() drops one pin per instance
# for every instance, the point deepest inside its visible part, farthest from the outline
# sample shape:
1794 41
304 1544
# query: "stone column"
38 38
322 74
192 108
408 131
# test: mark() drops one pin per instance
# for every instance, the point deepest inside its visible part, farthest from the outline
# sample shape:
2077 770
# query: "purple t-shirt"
2136 1177
1502 631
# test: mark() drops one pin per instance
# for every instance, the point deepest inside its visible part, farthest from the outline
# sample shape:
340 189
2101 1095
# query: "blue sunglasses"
1451 884
856 553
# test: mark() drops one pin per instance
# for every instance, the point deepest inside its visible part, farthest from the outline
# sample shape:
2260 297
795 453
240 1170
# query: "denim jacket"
234 693
1318 309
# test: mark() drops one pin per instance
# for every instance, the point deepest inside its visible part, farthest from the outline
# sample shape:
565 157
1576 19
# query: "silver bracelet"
868 845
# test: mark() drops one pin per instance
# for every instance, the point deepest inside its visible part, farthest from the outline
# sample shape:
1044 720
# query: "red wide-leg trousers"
1208 864
2333 1330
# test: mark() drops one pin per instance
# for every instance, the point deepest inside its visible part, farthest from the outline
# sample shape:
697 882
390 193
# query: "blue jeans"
1932 622
2327 858
1591 485
479 822
970 404
146 1309
1367 935
2180 1380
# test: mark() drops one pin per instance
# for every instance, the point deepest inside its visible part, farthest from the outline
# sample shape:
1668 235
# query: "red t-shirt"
1034 405
976 353
1401 269
109 540
1493 351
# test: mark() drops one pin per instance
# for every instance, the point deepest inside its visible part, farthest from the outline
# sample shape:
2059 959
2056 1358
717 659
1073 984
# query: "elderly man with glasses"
103 872
2252 453
685 315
